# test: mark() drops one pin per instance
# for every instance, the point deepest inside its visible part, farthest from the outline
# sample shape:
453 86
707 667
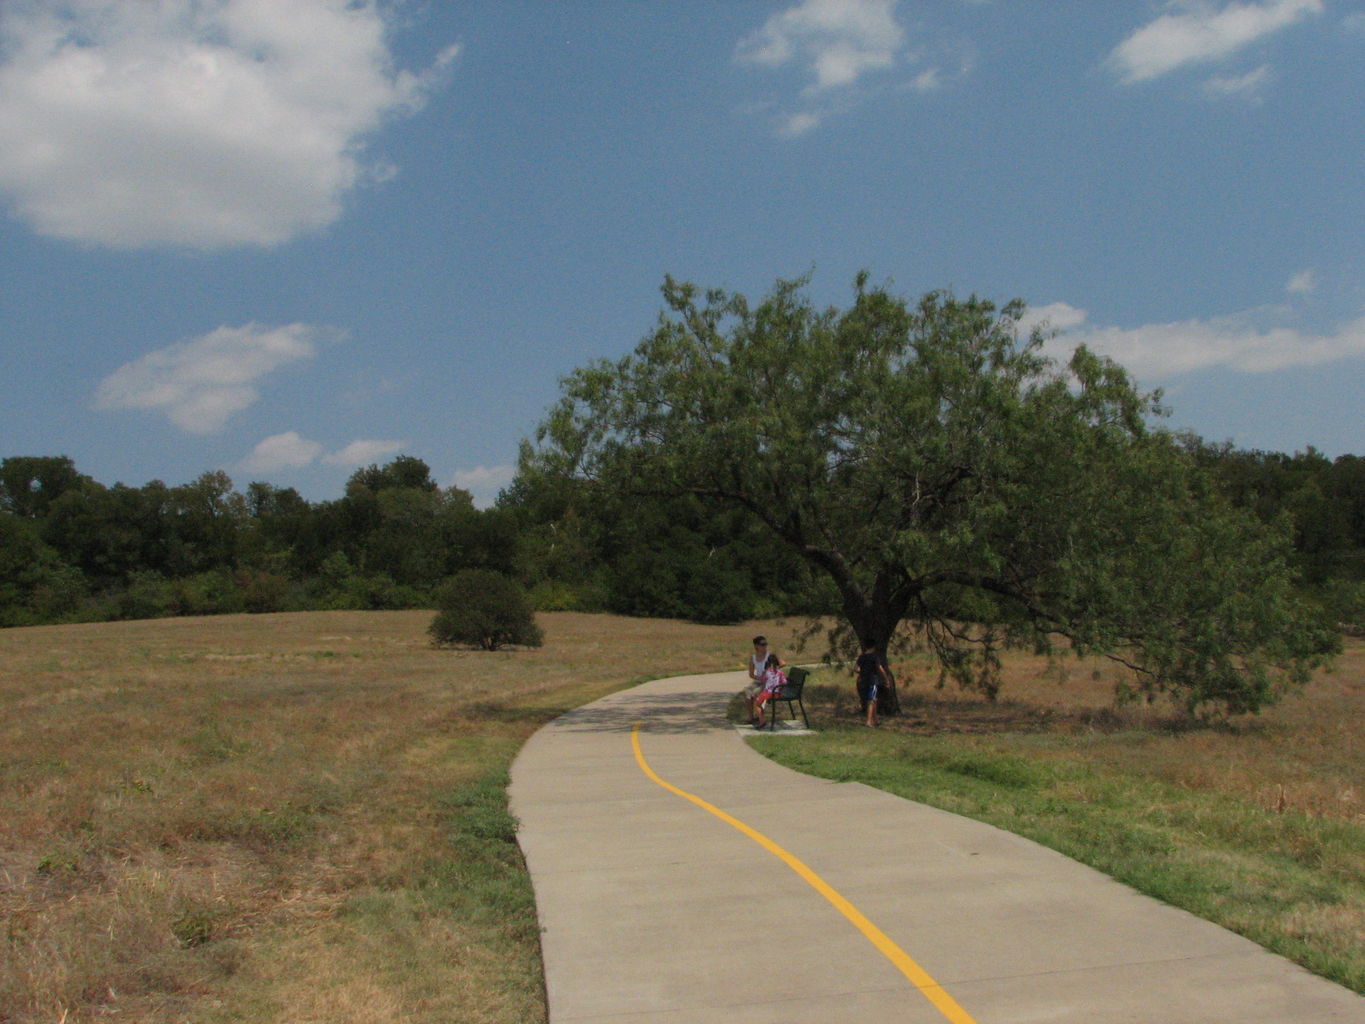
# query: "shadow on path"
686 712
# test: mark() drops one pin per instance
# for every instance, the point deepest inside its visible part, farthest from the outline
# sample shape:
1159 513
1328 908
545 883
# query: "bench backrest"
796 679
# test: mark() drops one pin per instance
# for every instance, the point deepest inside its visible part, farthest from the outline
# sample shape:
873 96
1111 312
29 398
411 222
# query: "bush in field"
483 608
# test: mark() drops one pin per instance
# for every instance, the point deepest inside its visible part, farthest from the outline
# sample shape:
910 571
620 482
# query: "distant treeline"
73 549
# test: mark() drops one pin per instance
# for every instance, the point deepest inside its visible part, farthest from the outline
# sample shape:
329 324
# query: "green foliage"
207 593
933 465
978 486
557 596
263 591
147 596
1344 602
649 555
29 485
677 559
72 548
1320 503
340 586
483 608
403 473
35 585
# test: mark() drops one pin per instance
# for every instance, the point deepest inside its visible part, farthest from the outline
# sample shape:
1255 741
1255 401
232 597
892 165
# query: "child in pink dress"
773 679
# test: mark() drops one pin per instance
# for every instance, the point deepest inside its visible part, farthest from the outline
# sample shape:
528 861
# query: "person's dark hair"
760 640
773 661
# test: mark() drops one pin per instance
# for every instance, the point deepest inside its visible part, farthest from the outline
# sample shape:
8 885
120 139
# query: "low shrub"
485 609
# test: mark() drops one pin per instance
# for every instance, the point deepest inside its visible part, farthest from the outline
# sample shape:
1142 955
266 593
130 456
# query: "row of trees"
890 464
73 549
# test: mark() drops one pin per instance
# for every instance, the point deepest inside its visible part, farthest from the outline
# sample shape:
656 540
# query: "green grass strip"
1291 882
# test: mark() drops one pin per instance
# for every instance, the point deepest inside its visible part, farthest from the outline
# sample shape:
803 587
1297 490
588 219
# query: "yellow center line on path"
916 974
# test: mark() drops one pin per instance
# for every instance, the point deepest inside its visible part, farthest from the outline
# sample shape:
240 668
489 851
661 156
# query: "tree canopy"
939 469
485 609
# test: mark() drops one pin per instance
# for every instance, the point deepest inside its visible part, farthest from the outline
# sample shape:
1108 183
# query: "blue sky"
289 238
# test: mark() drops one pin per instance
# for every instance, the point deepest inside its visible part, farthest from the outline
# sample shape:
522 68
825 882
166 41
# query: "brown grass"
255 818
1304 754
263 818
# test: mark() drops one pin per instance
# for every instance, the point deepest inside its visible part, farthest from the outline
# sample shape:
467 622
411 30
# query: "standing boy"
871 674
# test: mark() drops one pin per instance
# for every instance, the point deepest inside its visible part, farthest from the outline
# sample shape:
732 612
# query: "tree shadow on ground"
655 713
935 714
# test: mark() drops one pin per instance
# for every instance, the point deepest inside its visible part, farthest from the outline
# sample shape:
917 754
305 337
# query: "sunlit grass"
286 817
302 817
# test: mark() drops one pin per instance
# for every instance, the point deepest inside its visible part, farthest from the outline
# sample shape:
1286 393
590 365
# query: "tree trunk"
874 627
888 699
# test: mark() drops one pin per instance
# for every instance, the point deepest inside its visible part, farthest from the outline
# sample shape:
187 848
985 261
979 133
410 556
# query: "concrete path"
654 909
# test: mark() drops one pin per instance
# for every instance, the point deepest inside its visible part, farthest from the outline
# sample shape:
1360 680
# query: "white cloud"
1247 87
201 384
1055 317
484 482
202 123
1198 33
848 52
837 41
364 453
928 81
800 123
1162 351
1304 282
281 451
835 44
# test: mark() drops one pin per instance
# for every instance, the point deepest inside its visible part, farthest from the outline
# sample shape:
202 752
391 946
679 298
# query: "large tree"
940 470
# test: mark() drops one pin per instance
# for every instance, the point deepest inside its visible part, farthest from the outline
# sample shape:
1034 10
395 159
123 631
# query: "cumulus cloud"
1162 351
201 384
1197 32
836 41
281 451
848 52
484 482
364 453
201 123
835 45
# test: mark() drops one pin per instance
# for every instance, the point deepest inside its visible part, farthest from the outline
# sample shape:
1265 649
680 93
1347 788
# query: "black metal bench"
791 693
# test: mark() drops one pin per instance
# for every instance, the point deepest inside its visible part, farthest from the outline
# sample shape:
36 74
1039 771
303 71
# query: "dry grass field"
285 817
1305 754
301 817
